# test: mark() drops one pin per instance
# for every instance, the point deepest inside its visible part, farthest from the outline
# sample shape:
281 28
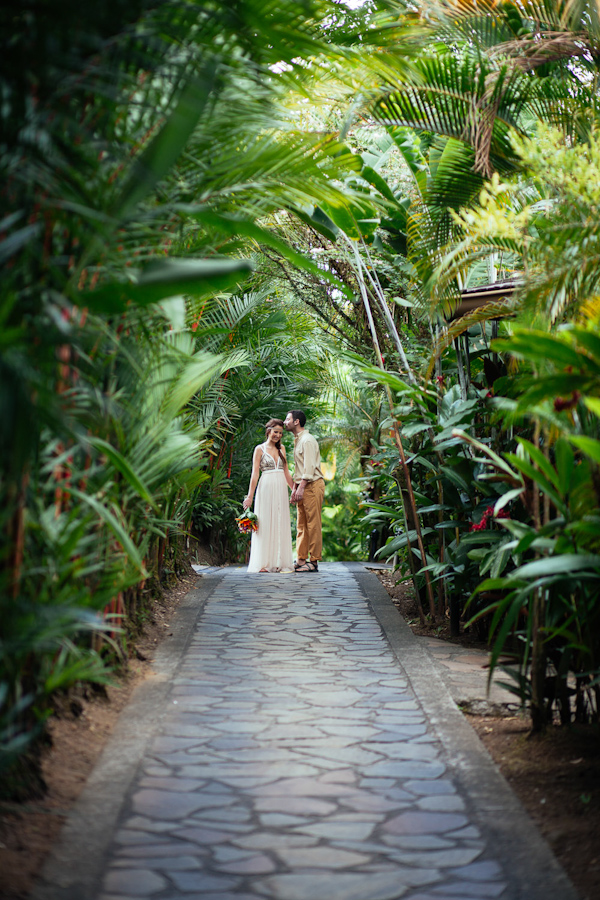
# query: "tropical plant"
133 162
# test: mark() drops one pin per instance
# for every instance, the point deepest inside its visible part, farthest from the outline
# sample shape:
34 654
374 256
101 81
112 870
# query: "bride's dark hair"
271 424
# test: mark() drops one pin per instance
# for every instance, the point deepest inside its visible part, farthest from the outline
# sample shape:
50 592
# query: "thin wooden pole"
398 440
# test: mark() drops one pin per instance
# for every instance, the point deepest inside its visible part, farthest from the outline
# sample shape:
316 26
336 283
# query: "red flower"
562 403
488 514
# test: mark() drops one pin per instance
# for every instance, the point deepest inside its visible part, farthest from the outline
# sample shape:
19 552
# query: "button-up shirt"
307 458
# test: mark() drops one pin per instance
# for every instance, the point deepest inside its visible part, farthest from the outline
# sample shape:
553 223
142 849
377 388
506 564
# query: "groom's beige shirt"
307 458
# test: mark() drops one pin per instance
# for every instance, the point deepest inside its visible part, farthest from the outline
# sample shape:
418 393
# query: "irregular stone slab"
306 806
304 787
255 865
418 841
336 698
169 863
407 769
215 821
280 820
338 830
334 886
351 755
482 871
233 815
465 834
424 823
358 732
204 836
267 840
404 750
440 786
228 772
413 733
135 882
364 801
200 882
292 732
320 858
341 776
174 805
442 803
239 726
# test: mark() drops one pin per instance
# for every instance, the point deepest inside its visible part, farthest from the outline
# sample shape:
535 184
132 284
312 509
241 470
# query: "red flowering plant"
488 514
247 522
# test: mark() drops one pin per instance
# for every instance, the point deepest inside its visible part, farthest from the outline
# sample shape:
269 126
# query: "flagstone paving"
301 751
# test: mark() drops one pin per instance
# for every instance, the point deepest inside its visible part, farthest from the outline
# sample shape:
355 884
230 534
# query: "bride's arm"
247 501
286 471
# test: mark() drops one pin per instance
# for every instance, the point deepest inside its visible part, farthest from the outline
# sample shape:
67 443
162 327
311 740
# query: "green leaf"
566 564
402 540
156 161
565 465
492 458
544 464
17 240
539 346
320 222
507 498
378 182
122 466
234 225
194 376
344 219
538 478
166 278
589 341
590 446
593 404
113 523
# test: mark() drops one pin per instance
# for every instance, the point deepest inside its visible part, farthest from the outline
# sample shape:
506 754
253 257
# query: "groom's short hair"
298 414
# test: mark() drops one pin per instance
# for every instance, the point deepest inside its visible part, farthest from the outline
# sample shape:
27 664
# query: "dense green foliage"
143 152
212 213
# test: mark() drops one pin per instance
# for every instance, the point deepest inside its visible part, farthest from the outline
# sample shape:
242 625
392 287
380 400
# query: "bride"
271 548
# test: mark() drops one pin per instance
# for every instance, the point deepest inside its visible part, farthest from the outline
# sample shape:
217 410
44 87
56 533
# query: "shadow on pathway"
297 742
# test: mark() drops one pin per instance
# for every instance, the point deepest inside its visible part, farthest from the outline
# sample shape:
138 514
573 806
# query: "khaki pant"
309 537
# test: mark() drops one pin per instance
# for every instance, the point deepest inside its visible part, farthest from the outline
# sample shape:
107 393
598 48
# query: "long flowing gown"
271 546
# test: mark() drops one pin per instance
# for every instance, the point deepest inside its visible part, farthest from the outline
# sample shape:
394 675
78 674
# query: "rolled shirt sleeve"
307 458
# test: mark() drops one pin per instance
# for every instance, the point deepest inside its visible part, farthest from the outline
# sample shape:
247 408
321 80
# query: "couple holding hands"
271 549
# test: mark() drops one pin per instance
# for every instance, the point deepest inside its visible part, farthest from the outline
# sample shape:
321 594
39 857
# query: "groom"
308 493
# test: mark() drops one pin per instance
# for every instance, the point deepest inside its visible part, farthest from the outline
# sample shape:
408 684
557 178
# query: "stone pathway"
298 744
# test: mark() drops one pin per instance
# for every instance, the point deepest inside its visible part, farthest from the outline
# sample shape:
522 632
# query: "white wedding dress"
271 546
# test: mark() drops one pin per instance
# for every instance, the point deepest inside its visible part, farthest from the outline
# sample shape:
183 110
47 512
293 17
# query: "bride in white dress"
271 548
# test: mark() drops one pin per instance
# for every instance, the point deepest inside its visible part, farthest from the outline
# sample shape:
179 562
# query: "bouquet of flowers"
247 522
